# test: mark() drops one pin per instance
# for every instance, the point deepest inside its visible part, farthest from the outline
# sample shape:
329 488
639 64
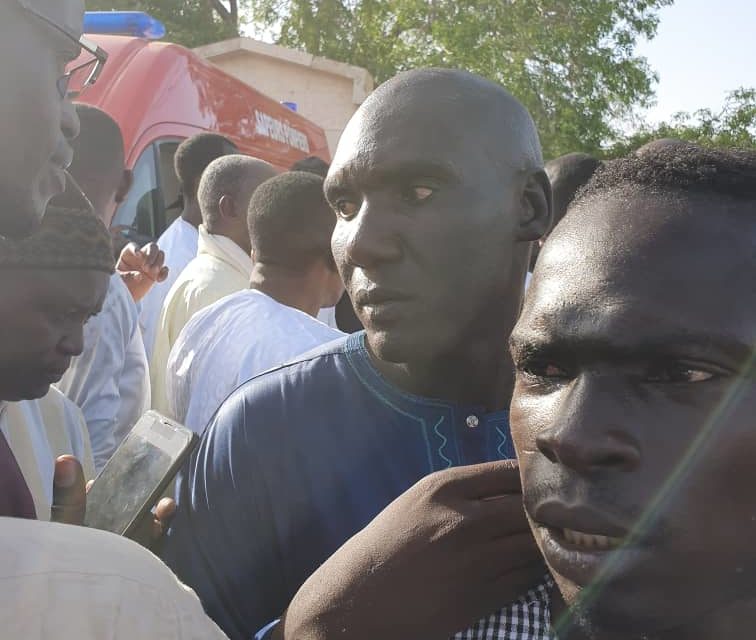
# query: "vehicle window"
167 180
142 207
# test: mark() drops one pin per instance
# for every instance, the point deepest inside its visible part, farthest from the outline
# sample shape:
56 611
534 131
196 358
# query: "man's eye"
417 194
545 371
672 373
347 208
422 193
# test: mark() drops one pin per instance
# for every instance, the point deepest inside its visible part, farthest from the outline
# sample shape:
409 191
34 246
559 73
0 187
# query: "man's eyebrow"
406 169
526 347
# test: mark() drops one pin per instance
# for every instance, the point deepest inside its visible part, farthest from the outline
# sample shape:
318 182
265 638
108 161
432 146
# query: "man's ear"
226 207
537 207
124 186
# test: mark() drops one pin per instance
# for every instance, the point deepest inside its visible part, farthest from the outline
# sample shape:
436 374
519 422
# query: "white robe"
37 432
110 380
74 583
221 268
229 343
179 242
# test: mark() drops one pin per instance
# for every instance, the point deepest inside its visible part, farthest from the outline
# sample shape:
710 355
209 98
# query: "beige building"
325 91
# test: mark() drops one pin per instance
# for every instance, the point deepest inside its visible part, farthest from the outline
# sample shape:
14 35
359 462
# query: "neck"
287 287
477 372
191 213
228 231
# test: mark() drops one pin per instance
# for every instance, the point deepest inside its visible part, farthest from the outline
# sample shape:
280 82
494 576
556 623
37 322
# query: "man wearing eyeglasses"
65 581
40 38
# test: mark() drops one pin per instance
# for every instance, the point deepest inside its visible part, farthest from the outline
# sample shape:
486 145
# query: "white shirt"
179 243
221 268
109 381
72 583
37 432
327 316
229 343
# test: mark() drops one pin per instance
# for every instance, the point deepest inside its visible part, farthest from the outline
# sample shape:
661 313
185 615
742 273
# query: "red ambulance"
160 94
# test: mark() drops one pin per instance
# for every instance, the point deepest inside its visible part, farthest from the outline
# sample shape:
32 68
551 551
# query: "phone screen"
136 475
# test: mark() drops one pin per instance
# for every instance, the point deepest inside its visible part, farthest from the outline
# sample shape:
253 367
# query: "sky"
702 50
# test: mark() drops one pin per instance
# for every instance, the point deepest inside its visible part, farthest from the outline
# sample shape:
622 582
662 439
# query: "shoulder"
104 576
120 305
303 382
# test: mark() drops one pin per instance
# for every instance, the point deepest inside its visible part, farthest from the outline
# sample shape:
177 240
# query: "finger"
69 492
130 258
151 254
480 481
504 516
163 275
165 511
89 485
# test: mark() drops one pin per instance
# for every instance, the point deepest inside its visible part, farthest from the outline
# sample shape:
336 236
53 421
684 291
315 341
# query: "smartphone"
134 479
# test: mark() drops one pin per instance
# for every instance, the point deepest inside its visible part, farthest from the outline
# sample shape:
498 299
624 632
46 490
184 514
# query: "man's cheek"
527 420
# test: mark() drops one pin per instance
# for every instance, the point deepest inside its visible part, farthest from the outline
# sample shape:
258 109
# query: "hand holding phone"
137 475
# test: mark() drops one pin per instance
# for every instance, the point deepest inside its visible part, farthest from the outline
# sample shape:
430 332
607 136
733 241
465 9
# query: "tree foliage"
188 22
572 63
733 126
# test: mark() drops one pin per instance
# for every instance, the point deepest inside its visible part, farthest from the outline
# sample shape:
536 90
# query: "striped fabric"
527 619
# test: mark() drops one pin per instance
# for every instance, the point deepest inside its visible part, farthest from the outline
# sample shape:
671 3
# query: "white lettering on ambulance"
280 131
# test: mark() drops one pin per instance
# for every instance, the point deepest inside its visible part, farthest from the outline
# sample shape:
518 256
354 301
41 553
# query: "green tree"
733 126
188 22
572 63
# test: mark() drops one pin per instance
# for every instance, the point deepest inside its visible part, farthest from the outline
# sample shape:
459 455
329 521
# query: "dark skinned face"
633 412
37 123
428 229
45 311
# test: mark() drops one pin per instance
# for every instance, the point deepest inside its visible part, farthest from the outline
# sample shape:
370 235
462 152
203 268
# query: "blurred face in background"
36 119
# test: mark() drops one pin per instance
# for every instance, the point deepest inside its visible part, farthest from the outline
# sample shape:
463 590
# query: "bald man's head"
224 193
439 186
464 104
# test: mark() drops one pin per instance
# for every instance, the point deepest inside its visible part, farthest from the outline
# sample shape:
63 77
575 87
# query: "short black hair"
99 146
233 175
98 160
567 175
683 168
290 222
312 164
194 154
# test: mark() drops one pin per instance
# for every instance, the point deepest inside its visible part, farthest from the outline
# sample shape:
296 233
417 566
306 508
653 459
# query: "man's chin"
31 392
390 346
608 611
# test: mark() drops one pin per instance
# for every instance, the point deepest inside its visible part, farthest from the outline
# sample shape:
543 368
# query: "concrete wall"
326 92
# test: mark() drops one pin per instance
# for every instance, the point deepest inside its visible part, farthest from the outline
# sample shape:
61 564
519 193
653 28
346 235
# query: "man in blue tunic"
439 189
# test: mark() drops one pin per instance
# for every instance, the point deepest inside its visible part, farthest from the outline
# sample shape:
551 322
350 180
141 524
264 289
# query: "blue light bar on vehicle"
124 23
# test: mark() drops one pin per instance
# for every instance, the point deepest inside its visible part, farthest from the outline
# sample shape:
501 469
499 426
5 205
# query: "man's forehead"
369 149
66 13
596 283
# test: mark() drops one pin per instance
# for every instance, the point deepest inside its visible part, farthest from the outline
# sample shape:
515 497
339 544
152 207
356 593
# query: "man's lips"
377 296
577 540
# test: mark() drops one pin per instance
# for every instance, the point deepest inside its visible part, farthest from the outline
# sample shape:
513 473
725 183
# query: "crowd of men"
512 448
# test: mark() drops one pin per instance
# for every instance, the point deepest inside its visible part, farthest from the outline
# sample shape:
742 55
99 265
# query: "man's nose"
590 432
372 237
72 343
69 121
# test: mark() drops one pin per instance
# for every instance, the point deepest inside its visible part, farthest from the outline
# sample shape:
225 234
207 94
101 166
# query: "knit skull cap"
66 239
